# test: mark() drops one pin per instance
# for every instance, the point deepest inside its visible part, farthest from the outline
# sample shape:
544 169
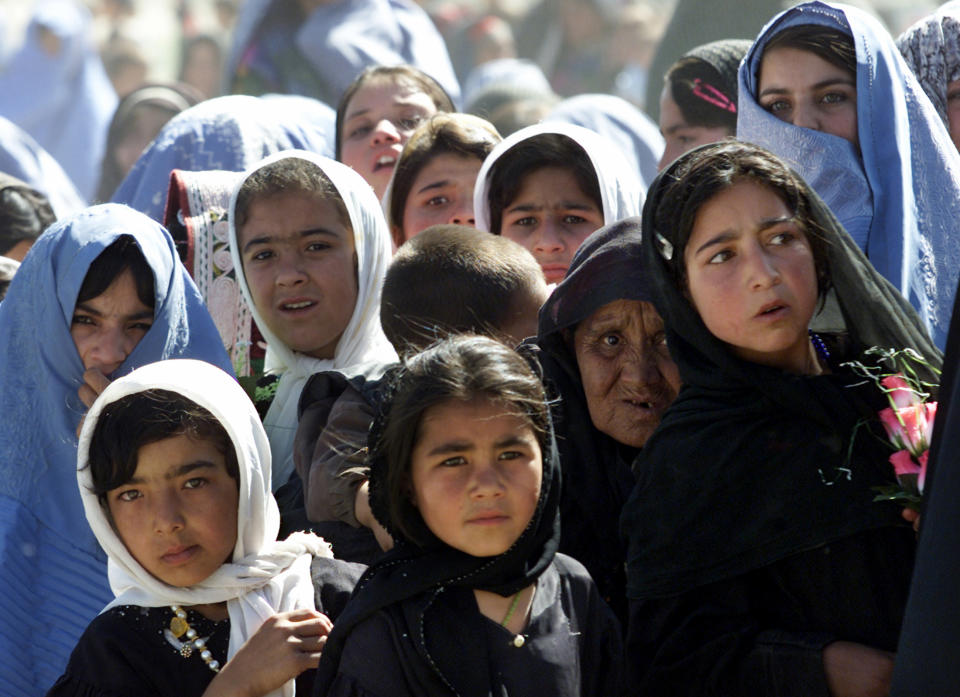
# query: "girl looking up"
174 472
473 599
826 89
758 562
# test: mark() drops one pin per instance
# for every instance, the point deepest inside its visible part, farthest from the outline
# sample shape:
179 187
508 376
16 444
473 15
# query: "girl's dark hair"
455 134
830 44
460 368
692 84
705 172
290 175
131 422
507 174
24 214
395 73
121 255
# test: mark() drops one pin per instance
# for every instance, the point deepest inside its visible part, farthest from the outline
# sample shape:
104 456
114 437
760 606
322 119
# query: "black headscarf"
751 464
596 469
440 643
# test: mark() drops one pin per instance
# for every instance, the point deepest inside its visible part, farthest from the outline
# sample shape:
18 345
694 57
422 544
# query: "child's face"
476 471
551 217
299 262
441 193
178 515
751 276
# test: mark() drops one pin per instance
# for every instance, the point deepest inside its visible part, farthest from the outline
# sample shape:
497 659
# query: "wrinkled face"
679 135
299 262
178 515
108 327
442 192
803 89
381 117
752 278
475 472
628 376
953 111
551 216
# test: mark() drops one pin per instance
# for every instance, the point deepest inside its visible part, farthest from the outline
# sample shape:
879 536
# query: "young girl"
99 294
376 115
473 599
826 89
174 472
757 561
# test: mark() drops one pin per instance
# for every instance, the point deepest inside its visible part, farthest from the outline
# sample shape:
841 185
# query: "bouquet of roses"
908 422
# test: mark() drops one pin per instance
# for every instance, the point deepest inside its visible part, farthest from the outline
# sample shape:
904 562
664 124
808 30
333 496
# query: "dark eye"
83 319
358 132
610 339
317 246
454 461
782 238
262 255
141 326
777 106
194 483
834 98
129 495
410 123
571 219
437 201
509 455
720 257
527 221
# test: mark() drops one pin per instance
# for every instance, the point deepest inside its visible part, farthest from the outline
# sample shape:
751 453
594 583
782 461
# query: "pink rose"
903 463
908 428
899 391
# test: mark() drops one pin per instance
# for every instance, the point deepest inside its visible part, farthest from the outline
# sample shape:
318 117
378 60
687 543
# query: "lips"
772 310
554 273
488 518
295 305
385 160
181 554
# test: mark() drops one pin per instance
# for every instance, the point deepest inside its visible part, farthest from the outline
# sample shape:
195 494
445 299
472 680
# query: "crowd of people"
395 350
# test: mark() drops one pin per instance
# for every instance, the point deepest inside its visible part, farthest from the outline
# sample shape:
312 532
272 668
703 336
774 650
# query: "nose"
549 240
463 215
486 480
805 115
385 132
290 270
762 270
167 513
639 368
111 349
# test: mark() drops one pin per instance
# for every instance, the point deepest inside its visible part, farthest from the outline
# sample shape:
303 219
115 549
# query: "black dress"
126 651
571 645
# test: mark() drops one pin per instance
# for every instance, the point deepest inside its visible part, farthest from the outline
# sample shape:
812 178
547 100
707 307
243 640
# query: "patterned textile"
931 48
197 205
898 195
227 133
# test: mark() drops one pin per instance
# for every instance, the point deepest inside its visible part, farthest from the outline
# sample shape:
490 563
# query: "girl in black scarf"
757 561
473 600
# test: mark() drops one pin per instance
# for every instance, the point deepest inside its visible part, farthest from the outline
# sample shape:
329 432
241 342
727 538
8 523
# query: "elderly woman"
602 347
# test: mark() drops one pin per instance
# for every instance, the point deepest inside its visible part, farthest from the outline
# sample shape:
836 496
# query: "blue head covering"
21 157
228 133
54 580
635 135
65 101
899 197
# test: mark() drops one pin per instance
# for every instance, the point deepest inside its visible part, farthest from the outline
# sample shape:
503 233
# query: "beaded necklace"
180 627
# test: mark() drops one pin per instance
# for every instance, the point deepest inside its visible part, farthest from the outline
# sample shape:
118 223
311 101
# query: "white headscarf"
621 191
265 576
362 342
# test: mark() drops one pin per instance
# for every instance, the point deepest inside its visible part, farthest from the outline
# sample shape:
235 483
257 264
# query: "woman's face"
628 376
803 89
380 118
679 135
953 111
442 192
147 122
476 471
108 327
751 276
551 216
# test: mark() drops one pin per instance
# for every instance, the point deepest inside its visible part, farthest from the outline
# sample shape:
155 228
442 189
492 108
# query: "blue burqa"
65 100
54 578
899 195
227 133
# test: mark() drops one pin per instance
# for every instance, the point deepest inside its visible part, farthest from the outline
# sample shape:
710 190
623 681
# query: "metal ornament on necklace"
180 627
518 640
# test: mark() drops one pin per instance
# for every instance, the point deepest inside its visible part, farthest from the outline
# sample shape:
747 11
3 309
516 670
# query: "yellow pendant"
178 626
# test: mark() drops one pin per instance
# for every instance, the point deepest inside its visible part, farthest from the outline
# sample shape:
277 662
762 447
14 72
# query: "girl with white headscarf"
159 636
360 341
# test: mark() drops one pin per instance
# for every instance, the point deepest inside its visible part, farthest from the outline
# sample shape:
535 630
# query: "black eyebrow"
727 235
83 307
435 185
818 86
459 446
266 239
183 469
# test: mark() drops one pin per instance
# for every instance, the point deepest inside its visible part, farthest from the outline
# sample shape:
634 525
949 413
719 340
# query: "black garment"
596 478
755 471
124 650
572 643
